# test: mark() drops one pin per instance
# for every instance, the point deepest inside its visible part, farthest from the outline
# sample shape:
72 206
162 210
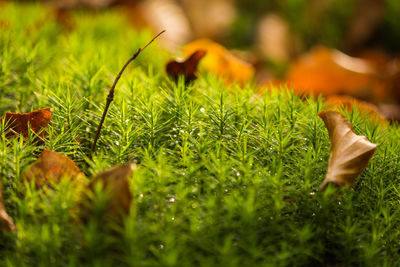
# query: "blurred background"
344 50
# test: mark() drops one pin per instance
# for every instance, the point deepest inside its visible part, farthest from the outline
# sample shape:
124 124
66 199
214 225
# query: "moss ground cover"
224 177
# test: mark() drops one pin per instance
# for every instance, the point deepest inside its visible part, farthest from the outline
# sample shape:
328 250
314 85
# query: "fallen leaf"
220 61
186 68
325 71
348 103
50 167
6 222
350 153
114 182
17 123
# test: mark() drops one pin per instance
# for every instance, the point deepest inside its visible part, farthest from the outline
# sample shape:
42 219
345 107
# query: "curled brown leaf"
350 153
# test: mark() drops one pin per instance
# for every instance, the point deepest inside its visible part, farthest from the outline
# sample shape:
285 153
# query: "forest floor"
224 177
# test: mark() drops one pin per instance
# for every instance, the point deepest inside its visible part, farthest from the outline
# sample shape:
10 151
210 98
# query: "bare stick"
110 96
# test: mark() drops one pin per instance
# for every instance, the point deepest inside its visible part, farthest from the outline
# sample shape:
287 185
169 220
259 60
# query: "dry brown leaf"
19 123
6 222
220 61
350 153
186 68
114 182
50 167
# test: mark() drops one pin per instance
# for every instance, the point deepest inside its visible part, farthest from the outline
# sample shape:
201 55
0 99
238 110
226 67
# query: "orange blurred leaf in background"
325 71
221 62
348 103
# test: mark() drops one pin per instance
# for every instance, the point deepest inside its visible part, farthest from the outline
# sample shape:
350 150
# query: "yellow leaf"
220 61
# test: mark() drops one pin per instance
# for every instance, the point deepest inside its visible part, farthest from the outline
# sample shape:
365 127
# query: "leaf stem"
110 96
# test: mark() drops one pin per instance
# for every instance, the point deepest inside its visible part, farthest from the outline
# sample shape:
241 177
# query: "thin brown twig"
110 96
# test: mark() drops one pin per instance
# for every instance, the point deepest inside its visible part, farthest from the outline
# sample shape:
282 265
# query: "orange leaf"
327 71
115 182
348 103
186 68
51 167
17 123
220 61
350 153
6 222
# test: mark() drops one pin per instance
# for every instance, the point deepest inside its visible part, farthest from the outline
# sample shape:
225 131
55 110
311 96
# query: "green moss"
224 178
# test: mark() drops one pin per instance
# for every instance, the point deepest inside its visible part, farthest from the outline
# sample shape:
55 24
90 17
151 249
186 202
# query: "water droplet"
202 110
237 174
171 199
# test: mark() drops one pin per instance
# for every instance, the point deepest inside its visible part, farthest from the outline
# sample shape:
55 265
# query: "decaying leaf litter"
354 176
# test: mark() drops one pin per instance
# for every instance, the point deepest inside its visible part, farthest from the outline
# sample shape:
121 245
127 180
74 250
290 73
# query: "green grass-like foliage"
224 178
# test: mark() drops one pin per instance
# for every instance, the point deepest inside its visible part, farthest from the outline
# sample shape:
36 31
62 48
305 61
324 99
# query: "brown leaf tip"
186 68
350 153
6 222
